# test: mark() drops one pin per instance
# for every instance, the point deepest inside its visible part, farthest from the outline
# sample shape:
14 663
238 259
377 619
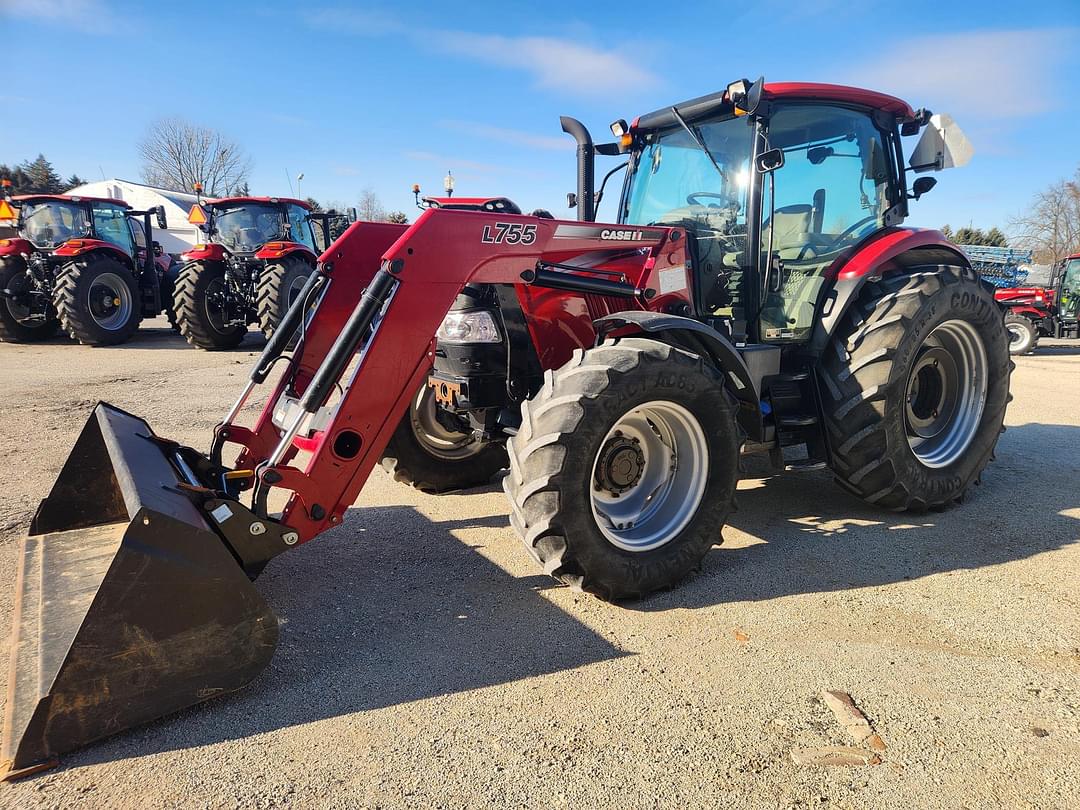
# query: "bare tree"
176 154
369 208
1051 225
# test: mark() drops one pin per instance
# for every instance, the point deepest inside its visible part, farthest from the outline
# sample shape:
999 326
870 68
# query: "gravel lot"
425 662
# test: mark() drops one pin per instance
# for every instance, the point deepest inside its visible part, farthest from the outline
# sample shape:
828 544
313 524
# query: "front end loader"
628 363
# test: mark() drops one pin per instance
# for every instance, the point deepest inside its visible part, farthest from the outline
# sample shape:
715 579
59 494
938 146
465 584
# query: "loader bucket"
128 606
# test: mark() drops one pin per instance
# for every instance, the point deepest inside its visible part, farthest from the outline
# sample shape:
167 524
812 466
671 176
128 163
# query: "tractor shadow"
388 609
806 535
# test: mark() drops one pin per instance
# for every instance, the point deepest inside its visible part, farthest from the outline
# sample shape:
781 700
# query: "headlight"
469 327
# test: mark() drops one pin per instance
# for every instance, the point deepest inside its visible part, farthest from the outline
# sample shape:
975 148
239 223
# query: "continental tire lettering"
512 233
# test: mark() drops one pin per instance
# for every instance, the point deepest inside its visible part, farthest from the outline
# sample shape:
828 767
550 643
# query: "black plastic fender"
702 339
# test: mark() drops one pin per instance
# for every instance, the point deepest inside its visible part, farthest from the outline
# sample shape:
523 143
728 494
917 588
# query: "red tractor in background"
1035 312
258 254
87 265
757 293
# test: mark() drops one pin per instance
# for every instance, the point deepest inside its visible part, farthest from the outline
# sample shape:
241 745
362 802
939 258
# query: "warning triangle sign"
6 211
197 216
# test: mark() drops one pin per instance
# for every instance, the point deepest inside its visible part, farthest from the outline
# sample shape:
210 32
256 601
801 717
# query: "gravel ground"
425 662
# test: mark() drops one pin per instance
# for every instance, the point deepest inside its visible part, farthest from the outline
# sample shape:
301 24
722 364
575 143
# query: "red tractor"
1035 312
258 254
84 264
757 293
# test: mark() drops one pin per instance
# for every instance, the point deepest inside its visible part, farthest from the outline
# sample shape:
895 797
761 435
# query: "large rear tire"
201 307
624 470
16 324
97 301
279 284
1023 334
915 387
425 455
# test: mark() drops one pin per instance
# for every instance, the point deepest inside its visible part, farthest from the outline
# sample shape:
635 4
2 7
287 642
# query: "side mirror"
770 161
746 98
571 200
352 215
943 145
922 185
157 249
159 213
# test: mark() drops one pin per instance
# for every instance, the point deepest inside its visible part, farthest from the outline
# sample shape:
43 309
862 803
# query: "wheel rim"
436 439
649 476
109 301
946 393
1018 336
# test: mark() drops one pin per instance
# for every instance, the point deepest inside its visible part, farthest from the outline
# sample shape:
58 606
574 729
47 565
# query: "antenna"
102 171
289 178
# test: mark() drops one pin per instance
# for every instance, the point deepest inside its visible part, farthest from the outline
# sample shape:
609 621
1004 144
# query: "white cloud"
88 16
557 64
513 136
553 62
982 74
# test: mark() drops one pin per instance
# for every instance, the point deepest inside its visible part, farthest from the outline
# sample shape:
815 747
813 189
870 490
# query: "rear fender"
208 252
1027 311
888 251
703 340
15 247
80 247
279 250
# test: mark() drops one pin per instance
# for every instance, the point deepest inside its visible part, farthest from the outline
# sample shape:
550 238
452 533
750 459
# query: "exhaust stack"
586 156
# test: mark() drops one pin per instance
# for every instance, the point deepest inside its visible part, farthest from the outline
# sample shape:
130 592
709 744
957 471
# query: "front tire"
915 387
200 301
16 325
425 455
97 301
624 470
1023 335
279 284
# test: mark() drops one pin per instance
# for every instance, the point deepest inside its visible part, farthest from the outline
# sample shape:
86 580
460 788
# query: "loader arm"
419 276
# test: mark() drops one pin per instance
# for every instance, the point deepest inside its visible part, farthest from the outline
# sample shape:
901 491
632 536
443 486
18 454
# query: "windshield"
1070 290
50 223
245 227
673 178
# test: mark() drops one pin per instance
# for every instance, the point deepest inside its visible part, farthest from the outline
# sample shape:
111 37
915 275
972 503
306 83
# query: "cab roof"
237 200
24 198
810 91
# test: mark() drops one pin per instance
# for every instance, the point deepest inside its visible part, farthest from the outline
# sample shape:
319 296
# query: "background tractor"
259 253
756 293
87 265
1035 312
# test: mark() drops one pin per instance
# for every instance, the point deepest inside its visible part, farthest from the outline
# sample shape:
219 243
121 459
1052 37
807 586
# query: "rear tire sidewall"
968 301
73 306
685 381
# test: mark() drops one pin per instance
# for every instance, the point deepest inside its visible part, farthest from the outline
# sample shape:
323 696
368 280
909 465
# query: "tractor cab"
245 225
775 185
1067 295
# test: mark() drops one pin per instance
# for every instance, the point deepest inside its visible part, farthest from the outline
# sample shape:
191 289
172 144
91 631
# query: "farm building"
179 236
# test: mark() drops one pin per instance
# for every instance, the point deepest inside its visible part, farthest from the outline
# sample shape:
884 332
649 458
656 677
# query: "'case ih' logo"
620 235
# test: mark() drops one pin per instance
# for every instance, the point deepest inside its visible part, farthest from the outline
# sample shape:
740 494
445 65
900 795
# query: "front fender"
80 247
278 250
12 247
703 340
208 252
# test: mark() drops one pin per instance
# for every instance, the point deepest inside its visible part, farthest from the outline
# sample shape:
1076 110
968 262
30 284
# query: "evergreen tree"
42 178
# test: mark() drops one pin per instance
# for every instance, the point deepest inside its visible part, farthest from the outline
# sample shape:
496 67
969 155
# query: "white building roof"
179 236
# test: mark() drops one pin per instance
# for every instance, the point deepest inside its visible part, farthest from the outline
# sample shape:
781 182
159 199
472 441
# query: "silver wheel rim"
294 289
109 301
946 393
1018 336
437 440
649 476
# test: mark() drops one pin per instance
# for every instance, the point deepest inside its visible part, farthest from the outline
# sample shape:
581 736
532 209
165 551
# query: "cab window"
833 190
300 227
111 225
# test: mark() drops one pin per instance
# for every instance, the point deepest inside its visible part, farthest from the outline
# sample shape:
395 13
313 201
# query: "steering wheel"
692 198
849 231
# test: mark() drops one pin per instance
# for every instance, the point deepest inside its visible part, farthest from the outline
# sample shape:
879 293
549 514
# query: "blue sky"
384 95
